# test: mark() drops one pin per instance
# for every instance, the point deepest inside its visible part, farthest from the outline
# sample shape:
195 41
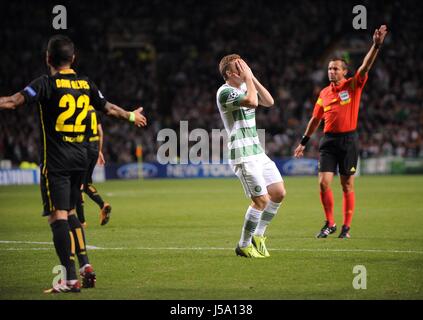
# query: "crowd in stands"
164 55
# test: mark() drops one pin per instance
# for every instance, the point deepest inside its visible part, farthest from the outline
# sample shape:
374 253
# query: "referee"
63 98
338 104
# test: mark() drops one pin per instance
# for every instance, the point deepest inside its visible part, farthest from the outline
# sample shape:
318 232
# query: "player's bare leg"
259 202
347 183
326 197
325 180
276 193
65 248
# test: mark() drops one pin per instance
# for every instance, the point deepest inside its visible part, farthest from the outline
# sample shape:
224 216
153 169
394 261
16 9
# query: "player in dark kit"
338 104
94 137
63 99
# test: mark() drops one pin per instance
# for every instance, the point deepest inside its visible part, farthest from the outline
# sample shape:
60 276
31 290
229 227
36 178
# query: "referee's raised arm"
369 59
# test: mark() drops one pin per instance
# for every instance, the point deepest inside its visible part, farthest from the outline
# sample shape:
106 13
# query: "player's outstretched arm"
134 116
265 99
369 59
251 98
12 102
313 124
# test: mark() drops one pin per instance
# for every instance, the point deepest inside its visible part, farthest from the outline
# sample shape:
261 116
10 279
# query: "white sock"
267 216
252 217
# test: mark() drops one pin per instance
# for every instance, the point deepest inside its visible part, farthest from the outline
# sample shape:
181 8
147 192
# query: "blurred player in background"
94 138
237 100
63 99
338 104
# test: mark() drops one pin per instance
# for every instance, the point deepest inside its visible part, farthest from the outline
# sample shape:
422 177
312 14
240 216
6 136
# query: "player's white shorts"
255 176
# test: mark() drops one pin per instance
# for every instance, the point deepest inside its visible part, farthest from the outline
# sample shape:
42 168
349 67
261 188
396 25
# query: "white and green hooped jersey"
240 124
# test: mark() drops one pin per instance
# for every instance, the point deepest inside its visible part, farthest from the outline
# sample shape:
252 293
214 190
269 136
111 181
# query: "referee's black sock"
62 239
80 208
79 235
93 194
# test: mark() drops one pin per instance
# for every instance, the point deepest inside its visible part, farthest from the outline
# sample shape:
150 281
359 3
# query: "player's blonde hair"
224 63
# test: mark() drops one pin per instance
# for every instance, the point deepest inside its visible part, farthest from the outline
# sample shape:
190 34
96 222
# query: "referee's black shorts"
339 150
60 190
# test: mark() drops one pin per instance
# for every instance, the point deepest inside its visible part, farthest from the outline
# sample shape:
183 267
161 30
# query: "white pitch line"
209 249
36 242
26 242
350 250
25 249
277 249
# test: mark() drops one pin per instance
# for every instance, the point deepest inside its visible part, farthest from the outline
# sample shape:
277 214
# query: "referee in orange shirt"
338 105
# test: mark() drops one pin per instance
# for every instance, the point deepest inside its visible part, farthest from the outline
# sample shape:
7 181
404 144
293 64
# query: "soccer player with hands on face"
237 100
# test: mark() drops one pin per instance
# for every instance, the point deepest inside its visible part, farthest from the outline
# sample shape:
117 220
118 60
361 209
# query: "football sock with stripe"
93 194
252 218
62 239
80 208
79 236
268 214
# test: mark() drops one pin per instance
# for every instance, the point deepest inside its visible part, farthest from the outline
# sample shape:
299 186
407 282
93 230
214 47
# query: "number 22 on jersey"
68 101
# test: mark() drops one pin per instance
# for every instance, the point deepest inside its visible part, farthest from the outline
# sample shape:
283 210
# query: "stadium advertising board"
287 167
18 176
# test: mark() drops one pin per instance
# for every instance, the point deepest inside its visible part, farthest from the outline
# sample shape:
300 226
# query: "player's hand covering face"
233 70
243 69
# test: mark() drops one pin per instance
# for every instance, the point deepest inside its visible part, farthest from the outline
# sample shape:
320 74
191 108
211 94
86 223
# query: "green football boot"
248 252
260 243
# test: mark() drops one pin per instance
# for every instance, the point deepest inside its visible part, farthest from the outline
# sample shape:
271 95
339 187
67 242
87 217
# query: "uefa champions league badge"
233 95
344 95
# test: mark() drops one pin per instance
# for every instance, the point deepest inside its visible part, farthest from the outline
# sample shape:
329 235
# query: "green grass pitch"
175 239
